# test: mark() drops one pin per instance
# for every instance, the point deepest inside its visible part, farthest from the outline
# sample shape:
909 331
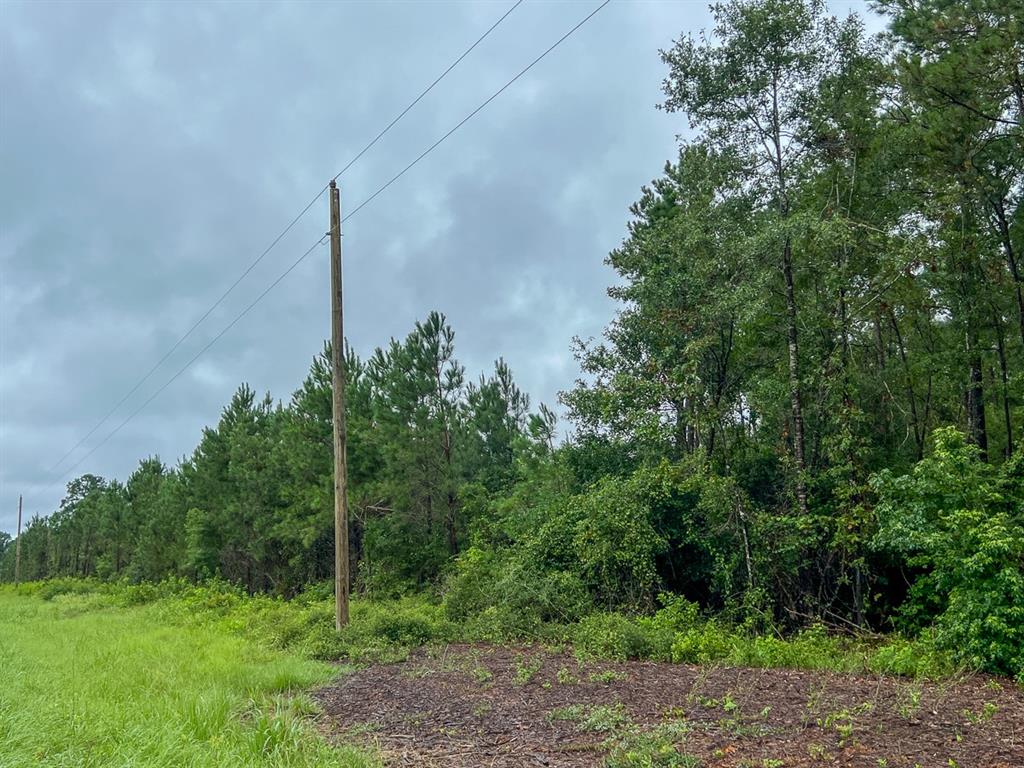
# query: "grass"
87 682
385 630
112 674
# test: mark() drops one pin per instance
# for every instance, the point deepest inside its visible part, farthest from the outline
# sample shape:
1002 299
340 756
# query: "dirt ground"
461 706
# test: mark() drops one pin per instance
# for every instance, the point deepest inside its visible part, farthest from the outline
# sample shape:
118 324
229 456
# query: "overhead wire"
302 257
188 365
156 366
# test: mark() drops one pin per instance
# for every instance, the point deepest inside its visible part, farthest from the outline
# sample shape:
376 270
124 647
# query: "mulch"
479 706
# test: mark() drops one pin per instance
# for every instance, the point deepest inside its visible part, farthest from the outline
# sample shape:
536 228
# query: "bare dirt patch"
464 705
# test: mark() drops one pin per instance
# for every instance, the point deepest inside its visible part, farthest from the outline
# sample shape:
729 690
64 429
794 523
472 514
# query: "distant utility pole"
340 433
17 547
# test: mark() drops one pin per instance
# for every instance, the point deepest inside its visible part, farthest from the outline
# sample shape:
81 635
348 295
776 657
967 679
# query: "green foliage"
615 541
704 644
629 745
501 596
611 636
378 631
962 523
526 668
655 748
911 658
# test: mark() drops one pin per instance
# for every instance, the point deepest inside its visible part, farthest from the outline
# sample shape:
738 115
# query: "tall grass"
87 682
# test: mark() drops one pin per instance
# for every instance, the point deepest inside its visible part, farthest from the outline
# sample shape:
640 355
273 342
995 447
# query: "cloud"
152 150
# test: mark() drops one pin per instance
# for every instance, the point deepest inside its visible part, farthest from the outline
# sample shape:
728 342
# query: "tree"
961 94
750 88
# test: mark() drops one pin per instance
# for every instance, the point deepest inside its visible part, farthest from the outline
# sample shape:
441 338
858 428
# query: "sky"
151 151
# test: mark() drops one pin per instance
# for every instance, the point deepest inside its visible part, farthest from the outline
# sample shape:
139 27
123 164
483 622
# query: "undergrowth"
385 630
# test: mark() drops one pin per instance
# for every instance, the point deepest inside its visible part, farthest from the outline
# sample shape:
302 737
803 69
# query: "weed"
909 701
599 719
526 668
604 718
565 677
608 676
572 712
842 722
636 748
631 746
361 729
818 752
986 713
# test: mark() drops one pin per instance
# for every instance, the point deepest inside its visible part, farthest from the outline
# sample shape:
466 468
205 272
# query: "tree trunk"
795 397
453 540
1011 259
1001 349
449 520
976 396
901 348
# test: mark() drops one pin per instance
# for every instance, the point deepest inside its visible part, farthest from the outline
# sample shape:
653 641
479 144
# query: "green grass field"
87 683
177 674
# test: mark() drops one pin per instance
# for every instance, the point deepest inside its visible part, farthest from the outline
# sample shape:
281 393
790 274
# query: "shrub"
961 524
611 636
409 621
503 595
677 614
703 644
910 658
48 590
149 592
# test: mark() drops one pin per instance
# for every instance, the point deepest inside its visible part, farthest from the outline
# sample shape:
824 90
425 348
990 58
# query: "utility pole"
17 547
338 407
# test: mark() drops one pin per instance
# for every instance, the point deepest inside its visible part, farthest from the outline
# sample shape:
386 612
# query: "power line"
276 240
187 365
187 333
468 117
425 92
301 258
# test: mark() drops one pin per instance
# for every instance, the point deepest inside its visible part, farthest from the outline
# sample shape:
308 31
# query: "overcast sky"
150 151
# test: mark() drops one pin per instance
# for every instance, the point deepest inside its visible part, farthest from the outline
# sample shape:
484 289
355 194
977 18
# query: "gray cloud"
151 151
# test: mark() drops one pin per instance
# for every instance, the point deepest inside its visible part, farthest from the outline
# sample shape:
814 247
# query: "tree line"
809 406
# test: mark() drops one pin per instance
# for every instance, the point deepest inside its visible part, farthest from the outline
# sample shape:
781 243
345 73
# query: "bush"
812 648
503 595
502 623
611 636
961 524
409 621
704 644
676 615
148 592
910 658
48 590
382 630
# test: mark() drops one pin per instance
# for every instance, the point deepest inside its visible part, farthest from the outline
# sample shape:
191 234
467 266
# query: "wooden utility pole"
17 547
340 432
